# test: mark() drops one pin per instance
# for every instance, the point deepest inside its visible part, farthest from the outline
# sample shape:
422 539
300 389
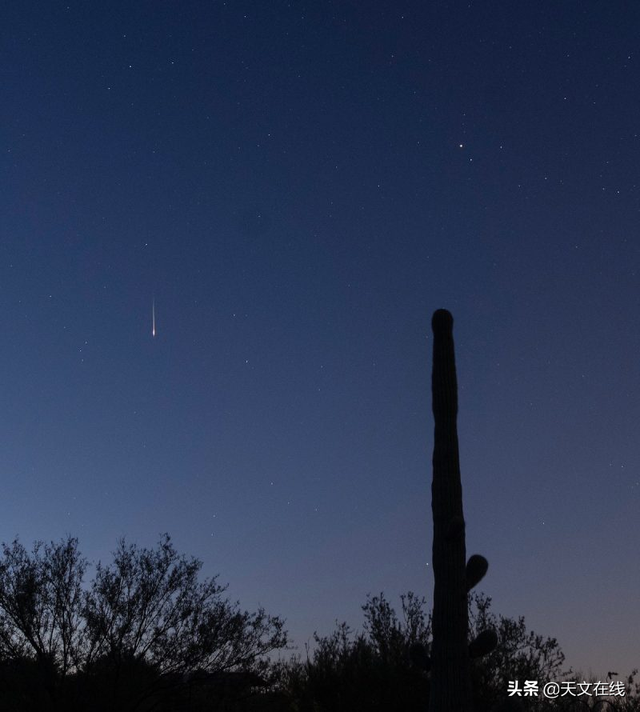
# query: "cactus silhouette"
449 663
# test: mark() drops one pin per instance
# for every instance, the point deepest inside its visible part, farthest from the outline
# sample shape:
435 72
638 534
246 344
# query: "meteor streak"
153 317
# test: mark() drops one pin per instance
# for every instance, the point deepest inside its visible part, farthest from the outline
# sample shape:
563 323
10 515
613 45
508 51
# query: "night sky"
298 186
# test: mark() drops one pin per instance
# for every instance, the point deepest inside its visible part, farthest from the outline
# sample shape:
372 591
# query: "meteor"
153 317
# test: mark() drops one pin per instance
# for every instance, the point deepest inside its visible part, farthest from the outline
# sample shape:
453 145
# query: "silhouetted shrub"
128 641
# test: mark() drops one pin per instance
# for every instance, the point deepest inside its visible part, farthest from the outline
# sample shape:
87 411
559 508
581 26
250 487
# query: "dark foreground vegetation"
145 634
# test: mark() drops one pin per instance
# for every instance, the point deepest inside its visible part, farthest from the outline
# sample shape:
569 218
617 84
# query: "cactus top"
442 321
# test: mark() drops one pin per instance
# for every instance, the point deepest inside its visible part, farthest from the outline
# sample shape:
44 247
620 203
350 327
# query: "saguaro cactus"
449 664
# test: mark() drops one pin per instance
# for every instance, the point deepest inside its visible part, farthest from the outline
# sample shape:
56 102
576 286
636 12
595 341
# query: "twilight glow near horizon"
296 187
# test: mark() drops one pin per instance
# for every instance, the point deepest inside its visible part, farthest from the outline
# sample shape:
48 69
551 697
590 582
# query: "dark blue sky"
299 185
